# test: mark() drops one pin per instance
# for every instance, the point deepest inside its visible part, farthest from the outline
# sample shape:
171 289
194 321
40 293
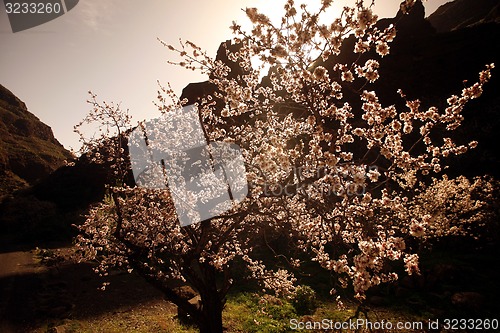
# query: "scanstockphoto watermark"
360 324
207 179
204 178
27 14
356 325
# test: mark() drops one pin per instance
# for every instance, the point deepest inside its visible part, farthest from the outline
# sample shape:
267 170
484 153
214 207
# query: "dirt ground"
40 288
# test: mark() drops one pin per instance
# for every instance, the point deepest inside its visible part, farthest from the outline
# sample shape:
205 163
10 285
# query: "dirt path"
47 288
17 271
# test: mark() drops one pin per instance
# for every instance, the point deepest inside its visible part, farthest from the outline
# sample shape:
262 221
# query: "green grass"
244 313
252 313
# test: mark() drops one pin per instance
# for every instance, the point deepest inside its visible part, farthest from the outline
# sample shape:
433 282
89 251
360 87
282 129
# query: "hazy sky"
111 48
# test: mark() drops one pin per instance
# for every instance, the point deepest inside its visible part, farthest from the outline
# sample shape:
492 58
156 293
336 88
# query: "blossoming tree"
337 178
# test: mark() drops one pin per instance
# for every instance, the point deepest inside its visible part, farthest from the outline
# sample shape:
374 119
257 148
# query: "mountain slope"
465 13
28 150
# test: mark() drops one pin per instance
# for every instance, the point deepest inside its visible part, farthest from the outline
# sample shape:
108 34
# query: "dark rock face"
193 91
431 66
28 150
465 13
222 52
411 25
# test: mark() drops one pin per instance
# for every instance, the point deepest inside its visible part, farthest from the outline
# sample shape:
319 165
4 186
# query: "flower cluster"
454 207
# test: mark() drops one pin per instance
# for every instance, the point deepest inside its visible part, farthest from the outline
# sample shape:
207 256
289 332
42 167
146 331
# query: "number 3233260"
32 8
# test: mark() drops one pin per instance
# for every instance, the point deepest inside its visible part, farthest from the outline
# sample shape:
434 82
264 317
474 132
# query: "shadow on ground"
43 293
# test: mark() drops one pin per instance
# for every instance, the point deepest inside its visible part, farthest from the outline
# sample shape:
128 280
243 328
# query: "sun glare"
274 10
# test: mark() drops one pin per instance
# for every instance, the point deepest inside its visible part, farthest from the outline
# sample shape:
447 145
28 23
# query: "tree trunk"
211 316
212 303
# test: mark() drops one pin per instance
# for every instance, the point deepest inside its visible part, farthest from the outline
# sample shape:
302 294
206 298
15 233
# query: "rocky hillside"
28 150
465 13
